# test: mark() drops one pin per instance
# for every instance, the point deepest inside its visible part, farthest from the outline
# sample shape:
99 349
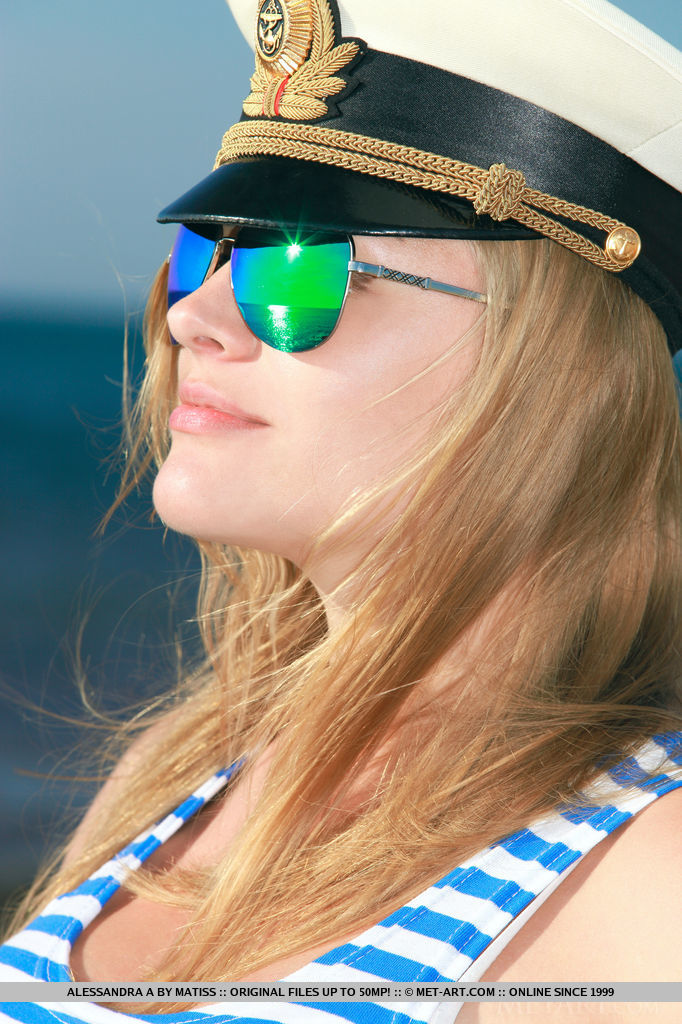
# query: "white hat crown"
584 60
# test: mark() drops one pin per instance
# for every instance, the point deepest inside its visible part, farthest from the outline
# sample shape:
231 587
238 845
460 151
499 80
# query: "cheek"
378 382
365 417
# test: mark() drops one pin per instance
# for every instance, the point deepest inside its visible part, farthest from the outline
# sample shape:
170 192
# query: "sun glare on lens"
293 251
279 315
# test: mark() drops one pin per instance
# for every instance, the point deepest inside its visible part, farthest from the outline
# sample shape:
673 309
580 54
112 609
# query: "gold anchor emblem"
297 60
270 31
623 245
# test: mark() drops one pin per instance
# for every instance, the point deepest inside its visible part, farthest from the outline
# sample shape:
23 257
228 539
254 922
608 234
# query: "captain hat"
483 119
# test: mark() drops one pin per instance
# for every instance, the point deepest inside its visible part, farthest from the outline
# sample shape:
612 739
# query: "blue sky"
112 109
109 111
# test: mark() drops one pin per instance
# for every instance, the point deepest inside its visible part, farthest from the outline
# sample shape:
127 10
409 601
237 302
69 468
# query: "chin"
187 505
178 499
190 502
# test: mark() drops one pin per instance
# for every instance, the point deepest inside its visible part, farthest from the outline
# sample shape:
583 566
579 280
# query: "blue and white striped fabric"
437 936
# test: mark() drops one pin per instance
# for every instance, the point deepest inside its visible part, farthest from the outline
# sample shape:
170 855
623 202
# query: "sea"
105 610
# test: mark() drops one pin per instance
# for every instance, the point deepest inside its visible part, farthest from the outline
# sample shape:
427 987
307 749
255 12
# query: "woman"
441 692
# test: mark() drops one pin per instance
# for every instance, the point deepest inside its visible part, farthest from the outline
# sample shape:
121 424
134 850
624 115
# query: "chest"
132 935
581 931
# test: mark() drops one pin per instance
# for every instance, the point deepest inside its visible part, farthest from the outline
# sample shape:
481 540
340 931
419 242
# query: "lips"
194 392
202 408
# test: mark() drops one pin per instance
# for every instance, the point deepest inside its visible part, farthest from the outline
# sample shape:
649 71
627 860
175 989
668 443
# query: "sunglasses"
290 290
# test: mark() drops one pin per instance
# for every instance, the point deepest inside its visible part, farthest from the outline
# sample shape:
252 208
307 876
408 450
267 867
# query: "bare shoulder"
615 918
129 763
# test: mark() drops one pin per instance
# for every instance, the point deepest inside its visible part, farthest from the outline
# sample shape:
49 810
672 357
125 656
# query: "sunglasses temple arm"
388 274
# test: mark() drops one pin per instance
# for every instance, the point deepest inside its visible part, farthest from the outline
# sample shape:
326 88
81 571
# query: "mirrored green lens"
290 291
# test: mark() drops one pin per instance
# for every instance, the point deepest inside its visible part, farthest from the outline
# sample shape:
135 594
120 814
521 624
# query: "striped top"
449 932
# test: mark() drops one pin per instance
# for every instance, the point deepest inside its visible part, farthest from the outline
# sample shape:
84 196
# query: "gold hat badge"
297 60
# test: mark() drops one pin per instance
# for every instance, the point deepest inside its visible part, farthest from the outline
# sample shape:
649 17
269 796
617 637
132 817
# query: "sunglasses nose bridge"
200 323
220 256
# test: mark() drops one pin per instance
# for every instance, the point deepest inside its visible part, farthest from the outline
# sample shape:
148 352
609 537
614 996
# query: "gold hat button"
623 245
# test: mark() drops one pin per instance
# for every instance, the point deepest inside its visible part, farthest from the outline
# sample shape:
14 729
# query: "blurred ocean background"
107 112
71 603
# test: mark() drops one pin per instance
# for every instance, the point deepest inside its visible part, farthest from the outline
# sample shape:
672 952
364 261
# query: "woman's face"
310 429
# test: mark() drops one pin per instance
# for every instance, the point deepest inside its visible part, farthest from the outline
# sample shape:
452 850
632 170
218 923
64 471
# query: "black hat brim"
272 191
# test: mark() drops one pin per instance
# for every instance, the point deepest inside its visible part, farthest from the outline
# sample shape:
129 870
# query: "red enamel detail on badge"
278 95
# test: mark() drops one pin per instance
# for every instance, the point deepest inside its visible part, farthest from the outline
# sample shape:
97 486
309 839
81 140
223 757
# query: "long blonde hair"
552 483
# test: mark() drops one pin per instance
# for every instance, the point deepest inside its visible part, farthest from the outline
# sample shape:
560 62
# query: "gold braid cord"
500 192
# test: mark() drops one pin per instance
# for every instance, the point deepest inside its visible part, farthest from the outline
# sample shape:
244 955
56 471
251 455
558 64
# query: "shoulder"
632 890
615 918
128 765
644 859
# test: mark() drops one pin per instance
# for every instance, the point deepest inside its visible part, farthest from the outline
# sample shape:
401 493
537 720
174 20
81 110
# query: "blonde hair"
551 488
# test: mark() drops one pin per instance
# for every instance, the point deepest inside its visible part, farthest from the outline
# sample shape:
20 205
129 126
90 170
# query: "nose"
207 321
